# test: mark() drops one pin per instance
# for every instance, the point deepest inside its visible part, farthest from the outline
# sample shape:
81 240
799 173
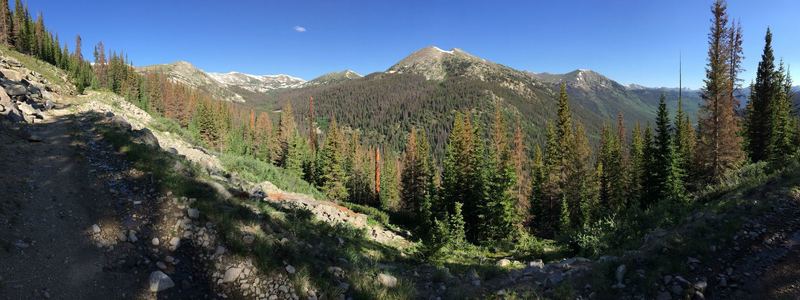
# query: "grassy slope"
312 246
53 74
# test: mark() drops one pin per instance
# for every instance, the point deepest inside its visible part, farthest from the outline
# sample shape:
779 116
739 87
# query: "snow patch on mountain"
257 83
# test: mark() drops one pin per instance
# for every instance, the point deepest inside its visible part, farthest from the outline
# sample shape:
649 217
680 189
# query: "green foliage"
255 170
331 163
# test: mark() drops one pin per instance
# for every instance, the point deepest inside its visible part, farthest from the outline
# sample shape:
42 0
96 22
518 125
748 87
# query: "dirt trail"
49 205
67 204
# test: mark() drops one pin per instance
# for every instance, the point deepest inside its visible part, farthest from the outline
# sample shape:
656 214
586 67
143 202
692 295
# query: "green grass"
255 170
285 236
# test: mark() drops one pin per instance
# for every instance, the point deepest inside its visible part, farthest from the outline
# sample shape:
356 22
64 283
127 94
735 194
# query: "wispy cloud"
299 29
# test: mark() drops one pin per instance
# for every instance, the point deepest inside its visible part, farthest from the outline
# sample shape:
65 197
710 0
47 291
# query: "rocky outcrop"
25 94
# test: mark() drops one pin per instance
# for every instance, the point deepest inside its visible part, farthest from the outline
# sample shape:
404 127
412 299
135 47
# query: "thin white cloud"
299 29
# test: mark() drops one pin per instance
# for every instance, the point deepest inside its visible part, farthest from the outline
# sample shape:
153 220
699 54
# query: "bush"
377 215
255 170
596 237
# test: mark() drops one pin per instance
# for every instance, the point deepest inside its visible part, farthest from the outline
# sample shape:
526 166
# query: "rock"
132 236
122 237
145 137
175 242
96 229
290 269
161 265
698 295
121 123
248 239
193 213
386 280
620 275
12 74
160 281
667 279
155 241
231 274
693 260
16 89
537 263
504 262
676 290
700 285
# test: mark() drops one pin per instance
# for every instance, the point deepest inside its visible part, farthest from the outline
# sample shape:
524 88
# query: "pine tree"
6 25
523 183
667 174
759 116
781 146
638 162
286 130
332 160
650 183
719 143
684 143
265 142
390 182
537 197
417 180
498 213
580 190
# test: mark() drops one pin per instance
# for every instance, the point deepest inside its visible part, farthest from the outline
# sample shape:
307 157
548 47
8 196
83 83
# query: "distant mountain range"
427 86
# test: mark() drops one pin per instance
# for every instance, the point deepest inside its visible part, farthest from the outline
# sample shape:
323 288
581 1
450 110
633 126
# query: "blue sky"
629 41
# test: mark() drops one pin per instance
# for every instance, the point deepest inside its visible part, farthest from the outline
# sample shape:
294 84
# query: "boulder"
231 274
16 89
145 136
12 74
120 122
386 280
504 262
160 281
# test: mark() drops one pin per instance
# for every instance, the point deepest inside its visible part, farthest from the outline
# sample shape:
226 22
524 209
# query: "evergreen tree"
6 25
580 190
537 198
781 146
498 213
417 180
286 130
719 143
666 170
332 174
650 183
684 143
638 163
764 96
523 183
390 182
265 142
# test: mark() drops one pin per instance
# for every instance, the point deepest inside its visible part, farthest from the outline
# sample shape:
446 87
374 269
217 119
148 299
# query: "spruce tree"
6 25
417 181
684 143
286 130
781 145
537 197
667 174
498 213
638 162
650 183
719 147
764 97
332 159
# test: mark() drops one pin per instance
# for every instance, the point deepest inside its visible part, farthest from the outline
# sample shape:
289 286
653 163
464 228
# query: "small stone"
667 279
290 269
231 274
122 237
537 263
620 273
248 239
161 265
193 213
387 280
504 262
175 242
132 236
160 281
169 259
155 241
96 229
700 285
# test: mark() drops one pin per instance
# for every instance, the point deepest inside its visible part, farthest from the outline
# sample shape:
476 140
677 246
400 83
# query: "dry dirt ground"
52 193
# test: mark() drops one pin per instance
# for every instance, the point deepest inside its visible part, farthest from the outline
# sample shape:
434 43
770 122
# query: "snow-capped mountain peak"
257 83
